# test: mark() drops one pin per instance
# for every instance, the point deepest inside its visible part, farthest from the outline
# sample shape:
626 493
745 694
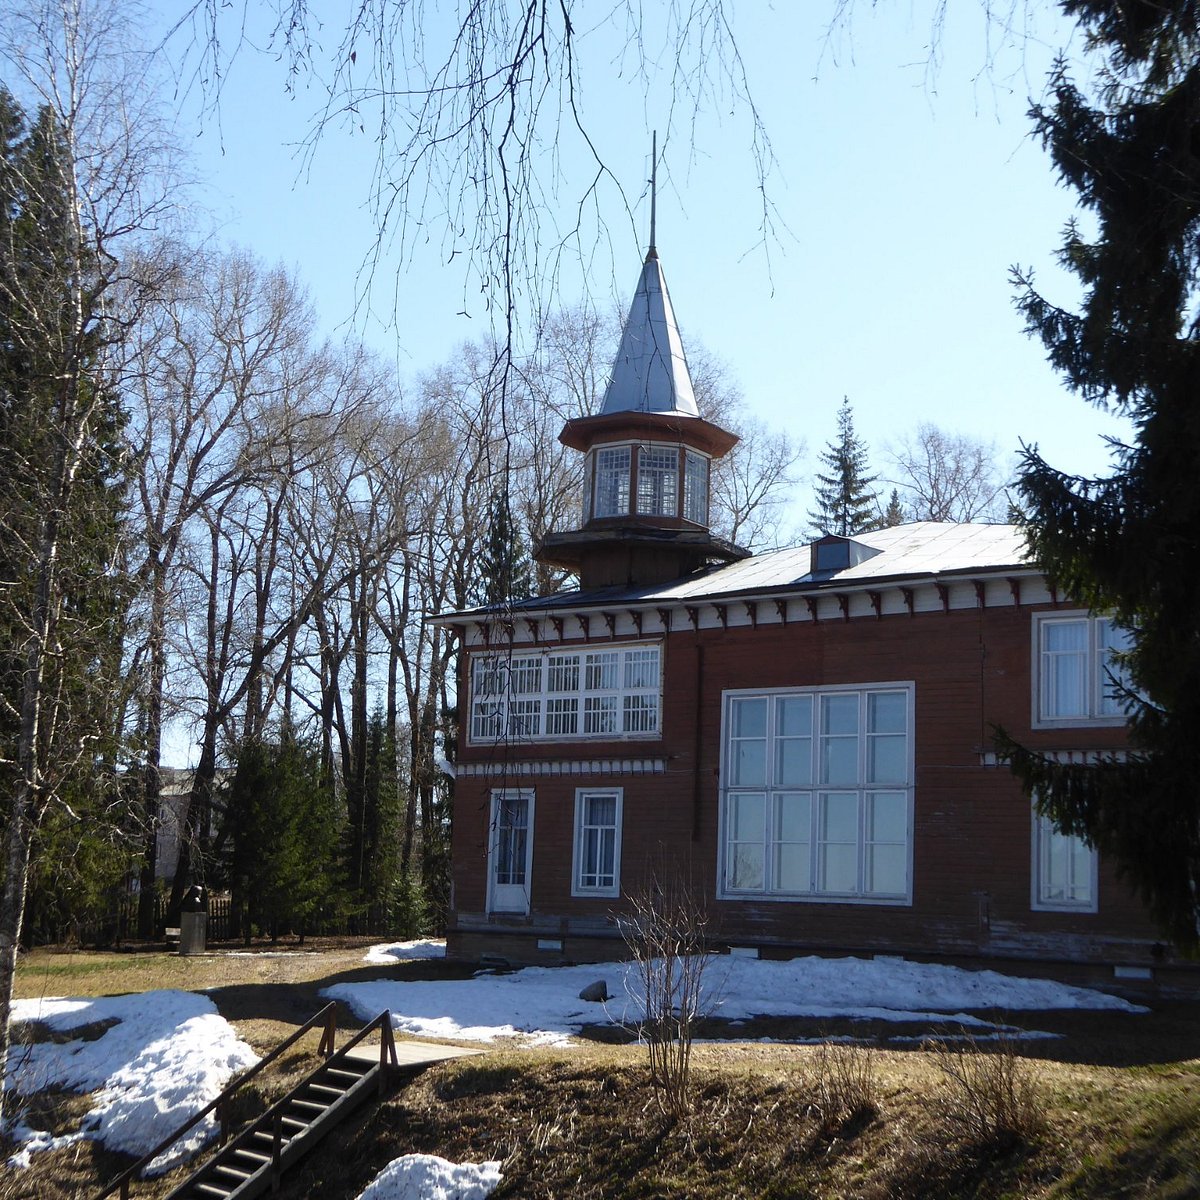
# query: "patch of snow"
405 951
264 953
1002 1033
541 1003
166 1057
427 1177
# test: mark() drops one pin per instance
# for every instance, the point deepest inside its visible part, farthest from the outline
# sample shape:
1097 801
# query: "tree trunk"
152 773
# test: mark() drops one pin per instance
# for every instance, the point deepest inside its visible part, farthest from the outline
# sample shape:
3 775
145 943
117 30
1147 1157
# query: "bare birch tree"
96 186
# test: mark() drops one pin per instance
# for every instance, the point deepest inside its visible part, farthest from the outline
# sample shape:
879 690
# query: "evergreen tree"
845 497
386 886
894 513
505 565
284 832
1129 543
63 475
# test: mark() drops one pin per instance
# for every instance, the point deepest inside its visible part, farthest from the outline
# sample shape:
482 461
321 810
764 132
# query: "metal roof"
650 373
921 550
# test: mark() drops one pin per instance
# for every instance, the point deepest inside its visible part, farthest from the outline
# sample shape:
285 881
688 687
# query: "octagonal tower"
649 456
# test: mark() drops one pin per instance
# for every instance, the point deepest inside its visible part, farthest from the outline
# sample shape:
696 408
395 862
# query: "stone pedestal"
193 929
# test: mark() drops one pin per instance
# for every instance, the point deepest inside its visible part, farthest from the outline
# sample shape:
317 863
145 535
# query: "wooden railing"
387 1051
327 1016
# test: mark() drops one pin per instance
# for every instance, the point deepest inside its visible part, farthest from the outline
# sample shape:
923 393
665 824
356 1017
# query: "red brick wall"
972 835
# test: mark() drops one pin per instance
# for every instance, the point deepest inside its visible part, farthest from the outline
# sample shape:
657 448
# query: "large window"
612 482
817 788
597 869
1064 869
658 481
1076 680
606 692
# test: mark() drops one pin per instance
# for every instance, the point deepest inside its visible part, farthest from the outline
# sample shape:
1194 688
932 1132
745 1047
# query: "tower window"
658 481
695 488
612 481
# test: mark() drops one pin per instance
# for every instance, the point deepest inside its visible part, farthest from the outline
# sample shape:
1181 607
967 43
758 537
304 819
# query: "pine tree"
845 497
1129 543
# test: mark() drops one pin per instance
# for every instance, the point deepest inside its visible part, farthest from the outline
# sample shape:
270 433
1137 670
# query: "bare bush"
666 935
843 1083
991 1093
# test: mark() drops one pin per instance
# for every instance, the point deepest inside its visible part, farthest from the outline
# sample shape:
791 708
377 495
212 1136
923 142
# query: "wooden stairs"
251 1162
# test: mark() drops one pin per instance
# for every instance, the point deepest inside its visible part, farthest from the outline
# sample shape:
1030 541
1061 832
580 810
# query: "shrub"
665 934
991 1092
843 1084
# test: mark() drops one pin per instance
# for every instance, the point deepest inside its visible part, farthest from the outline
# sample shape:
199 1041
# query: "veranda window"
613 692
817 793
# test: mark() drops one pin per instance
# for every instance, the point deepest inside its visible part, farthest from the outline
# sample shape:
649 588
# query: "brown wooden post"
276 1147
325 1049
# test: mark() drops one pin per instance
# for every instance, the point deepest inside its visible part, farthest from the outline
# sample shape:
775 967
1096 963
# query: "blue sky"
903 198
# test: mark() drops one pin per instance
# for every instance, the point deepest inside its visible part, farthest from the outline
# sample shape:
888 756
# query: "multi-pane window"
817 787
612 481
607 692
658 480
1064 869
695 488
597 842
1077 679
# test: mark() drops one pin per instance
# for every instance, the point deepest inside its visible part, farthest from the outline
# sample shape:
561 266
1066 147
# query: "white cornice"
828 601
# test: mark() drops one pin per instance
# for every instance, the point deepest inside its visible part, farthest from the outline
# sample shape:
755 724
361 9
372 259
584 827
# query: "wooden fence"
121 924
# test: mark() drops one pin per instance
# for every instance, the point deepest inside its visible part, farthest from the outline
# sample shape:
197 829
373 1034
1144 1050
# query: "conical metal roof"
650 373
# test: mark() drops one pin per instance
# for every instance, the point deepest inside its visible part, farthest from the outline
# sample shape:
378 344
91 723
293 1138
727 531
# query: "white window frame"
622 477
618 691
657 484
773 788
582 795
696 468
1096 680
1042 832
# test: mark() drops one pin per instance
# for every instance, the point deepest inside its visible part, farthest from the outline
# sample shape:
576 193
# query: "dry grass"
1121 1098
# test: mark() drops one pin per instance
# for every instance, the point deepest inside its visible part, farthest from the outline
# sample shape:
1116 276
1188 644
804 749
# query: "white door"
510 852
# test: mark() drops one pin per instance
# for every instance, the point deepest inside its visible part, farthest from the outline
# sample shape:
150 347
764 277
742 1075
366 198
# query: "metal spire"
652 252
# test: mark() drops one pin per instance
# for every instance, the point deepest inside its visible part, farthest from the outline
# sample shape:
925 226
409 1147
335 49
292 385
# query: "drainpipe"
697 742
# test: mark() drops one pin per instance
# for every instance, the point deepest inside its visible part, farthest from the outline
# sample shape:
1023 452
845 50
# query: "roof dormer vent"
833 553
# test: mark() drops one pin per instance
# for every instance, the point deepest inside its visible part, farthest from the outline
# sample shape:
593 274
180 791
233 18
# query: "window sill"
781 898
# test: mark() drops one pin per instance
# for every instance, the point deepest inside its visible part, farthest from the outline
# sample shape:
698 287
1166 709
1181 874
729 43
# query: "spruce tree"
845 497
505 565
1129 543
284 829
894 513
63 475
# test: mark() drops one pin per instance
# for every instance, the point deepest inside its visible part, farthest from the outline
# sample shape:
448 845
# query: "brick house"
807 732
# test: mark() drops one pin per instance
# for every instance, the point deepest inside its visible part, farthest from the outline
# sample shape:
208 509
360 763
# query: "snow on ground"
167 1055
543 1005
405 951
427 1177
